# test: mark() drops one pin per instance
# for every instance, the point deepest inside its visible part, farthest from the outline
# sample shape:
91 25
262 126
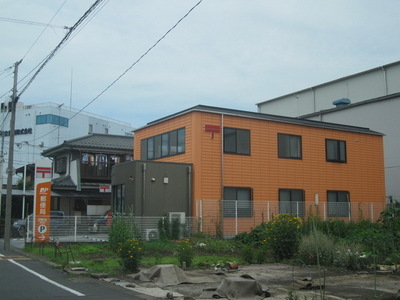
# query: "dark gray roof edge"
70 143
364 102
95 134
266 117
330 82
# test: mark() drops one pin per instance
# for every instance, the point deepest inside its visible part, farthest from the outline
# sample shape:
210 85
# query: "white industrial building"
367 99
42 126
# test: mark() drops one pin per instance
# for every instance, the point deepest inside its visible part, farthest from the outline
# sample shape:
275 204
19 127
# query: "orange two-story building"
250 166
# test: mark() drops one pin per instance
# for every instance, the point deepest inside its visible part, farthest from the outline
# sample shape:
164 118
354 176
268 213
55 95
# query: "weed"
315 248
120 232
185 253
130 253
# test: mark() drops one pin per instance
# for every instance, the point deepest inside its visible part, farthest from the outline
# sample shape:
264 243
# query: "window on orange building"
289 146
163 145
236 141
338 203
335 151
291 201
237 202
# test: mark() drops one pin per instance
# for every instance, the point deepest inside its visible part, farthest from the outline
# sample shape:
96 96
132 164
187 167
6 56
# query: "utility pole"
7 223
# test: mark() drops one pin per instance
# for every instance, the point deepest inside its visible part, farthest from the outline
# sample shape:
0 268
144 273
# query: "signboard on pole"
42 198
105 188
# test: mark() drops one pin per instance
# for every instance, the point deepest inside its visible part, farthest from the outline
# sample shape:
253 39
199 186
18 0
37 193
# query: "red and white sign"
42 201
105 188
43 172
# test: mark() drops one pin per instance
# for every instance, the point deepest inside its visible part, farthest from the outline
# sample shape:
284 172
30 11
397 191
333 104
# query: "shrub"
262 254
164 229
374 237
185 252
255 237
390 219
316 248
175 228
335 228
247 254
283 234
130 253
350 256
120 231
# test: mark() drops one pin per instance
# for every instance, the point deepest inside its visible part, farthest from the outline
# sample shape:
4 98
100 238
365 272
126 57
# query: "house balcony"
96 171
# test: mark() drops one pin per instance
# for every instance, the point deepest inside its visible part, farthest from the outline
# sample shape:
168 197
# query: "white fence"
230 217
96 228
222 218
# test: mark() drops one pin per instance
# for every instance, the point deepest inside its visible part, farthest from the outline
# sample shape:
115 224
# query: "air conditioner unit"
151 234
177 215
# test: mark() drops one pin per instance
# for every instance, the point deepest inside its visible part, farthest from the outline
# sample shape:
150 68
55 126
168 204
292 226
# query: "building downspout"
314 100
385 80
143 186
189 170
222 173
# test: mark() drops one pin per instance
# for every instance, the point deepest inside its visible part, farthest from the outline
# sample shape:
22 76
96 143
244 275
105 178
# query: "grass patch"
99 257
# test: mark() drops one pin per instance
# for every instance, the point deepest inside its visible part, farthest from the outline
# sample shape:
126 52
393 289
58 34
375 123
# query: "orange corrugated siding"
362 175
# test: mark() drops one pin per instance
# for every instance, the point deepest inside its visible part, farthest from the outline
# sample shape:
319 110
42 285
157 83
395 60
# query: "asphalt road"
22 277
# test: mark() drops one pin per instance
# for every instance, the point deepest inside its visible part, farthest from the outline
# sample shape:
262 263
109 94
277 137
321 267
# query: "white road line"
45 278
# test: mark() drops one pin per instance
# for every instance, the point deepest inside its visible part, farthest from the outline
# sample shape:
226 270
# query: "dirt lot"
279 279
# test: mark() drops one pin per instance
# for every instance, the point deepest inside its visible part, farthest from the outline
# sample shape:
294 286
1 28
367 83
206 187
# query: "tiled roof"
64 181
95 141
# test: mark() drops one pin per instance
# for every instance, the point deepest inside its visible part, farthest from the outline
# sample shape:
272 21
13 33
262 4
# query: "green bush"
247 254
335 228
175 229
350 256
262 254
120 231
374 238
164 229
255 237
390 220
130 253
185 252
283 235
316 248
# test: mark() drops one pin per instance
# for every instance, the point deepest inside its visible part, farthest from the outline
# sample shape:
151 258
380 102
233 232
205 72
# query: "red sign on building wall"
212 128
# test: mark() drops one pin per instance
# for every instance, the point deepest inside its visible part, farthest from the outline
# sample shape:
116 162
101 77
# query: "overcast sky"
226 53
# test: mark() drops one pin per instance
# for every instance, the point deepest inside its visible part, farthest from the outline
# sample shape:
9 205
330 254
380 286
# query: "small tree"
283 235
120 232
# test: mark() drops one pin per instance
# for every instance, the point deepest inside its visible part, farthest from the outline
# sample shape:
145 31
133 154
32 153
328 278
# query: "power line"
32 23
69 40
47 25
67 36
140 58
130 67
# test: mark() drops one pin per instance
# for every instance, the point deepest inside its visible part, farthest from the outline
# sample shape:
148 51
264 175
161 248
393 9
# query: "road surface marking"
44 277
14 258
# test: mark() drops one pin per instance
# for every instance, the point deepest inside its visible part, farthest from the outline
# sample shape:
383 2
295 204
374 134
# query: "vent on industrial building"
341 102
